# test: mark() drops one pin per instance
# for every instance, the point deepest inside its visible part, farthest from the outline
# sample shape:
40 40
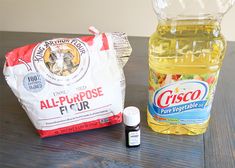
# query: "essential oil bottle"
131 119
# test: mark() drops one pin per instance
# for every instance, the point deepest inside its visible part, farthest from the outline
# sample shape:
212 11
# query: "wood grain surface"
20 146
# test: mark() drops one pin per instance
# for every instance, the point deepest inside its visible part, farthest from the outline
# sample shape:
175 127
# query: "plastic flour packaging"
70 85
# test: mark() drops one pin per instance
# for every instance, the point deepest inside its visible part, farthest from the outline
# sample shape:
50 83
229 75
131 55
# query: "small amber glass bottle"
131 119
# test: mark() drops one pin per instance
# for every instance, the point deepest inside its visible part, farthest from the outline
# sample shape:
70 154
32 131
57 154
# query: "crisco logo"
179 93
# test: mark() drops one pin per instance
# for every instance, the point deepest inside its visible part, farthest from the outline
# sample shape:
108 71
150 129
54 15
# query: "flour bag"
69 85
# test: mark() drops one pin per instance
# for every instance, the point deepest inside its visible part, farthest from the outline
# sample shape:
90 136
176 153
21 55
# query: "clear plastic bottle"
185 57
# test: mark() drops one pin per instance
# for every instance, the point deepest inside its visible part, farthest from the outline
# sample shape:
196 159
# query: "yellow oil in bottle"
184 50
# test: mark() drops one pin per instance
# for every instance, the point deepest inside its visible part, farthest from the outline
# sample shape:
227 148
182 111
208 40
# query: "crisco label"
180 96
181 99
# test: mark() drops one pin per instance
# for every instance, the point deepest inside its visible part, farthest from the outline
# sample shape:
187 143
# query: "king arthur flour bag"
70 85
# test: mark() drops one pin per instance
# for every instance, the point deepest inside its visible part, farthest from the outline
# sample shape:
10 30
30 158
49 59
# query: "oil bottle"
185 56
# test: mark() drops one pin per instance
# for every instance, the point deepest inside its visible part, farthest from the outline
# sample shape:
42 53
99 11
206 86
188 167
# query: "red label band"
82 126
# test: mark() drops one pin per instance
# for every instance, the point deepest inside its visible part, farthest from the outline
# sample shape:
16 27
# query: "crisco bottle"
185 57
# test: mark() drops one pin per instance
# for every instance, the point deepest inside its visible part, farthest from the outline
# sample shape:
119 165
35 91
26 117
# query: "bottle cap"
131 116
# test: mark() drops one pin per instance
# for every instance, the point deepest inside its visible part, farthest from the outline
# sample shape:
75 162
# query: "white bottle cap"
131 116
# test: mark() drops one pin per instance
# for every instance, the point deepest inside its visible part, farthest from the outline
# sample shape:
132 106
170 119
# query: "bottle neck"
136 126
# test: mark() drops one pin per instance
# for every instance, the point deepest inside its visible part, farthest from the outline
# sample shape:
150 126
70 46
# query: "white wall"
135 17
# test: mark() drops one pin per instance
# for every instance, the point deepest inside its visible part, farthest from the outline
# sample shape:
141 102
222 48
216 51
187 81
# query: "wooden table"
20 146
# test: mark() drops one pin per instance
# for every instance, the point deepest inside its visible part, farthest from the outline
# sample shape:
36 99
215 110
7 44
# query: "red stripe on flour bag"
88 40
20 55
105 42
81 127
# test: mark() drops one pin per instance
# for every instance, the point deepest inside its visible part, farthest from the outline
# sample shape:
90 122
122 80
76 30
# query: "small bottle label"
134 138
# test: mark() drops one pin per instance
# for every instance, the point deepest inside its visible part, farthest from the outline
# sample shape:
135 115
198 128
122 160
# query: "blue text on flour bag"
183 102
